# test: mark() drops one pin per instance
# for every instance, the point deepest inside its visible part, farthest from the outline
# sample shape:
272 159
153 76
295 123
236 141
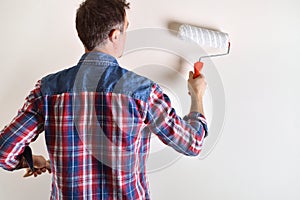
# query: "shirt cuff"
199 117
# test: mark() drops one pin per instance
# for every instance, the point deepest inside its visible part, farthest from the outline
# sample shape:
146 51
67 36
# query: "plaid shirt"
98 119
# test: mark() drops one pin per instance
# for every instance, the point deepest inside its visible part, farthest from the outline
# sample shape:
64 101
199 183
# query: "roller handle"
197 69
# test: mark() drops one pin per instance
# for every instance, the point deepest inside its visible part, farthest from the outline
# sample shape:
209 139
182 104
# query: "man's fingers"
38 171
191 74
28 173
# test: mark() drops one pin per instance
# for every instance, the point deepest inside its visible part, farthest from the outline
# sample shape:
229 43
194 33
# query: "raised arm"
184 135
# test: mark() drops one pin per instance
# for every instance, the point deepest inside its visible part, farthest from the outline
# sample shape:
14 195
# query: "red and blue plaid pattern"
98 140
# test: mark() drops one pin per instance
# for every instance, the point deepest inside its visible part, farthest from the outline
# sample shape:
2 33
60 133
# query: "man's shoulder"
58 82
128 83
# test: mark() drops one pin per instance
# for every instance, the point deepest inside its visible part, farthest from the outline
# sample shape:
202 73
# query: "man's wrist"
197 104
22 163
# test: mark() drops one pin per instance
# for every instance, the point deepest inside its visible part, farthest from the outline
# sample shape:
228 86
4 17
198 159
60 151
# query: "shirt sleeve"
23 129
184 135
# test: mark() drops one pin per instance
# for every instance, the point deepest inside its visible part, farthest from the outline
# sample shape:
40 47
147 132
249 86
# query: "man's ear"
114 35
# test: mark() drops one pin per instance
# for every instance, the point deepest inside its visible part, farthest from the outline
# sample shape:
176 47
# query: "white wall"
258 154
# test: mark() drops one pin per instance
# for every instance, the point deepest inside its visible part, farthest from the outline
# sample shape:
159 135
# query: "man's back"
94 116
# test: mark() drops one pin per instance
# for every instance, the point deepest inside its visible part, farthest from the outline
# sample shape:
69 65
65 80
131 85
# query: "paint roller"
204 37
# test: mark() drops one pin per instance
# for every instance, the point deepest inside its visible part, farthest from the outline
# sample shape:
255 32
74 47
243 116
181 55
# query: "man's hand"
196 86
197 89
41 165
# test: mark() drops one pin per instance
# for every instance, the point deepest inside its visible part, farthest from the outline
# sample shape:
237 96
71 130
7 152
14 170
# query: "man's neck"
102 50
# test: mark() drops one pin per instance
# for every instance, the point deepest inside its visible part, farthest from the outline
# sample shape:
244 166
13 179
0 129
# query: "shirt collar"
97 56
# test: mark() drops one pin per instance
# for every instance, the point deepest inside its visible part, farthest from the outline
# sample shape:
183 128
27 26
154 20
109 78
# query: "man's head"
102 24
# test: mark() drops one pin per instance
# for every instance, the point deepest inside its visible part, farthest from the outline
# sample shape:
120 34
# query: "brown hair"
95 19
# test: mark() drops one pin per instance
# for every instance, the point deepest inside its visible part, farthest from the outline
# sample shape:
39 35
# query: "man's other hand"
41 166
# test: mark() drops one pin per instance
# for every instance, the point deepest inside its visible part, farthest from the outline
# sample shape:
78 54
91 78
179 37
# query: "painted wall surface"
257 155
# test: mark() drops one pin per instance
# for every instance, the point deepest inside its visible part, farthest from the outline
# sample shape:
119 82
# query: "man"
98 117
